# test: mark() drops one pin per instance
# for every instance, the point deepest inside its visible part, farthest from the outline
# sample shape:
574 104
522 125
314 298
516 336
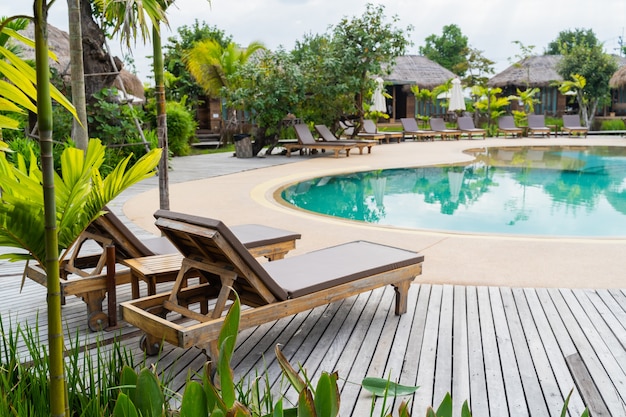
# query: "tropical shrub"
181 126
614 124
81 194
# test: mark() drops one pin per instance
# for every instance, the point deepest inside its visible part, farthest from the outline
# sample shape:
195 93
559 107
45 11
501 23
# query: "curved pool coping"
451 257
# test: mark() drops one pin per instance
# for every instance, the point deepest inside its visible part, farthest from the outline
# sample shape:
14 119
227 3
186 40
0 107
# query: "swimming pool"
550 191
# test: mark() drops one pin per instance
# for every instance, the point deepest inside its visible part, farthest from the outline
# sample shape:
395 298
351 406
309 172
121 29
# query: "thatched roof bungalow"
540 71
535 71
59 44
414 70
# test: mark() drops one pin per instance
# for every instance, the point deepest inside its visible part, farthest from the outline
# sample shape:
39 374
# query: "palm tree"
80 134
212 64
129 25
18 80
33 216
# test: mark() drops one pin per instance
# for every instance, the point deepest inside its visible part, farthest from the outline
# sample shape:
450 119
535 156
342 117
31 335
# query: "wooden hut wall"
549 102
431 109
619 101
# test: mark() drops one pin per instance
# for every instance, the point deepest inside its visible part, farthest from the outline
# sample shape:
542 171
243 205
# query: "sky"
490 25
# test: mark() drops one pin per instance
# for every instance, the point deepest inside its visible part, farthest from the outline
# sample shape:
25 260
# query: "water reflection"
573 191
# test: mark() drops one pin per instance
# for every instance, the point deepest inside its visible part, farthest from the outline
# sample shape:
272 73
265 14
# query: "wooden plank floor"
509 351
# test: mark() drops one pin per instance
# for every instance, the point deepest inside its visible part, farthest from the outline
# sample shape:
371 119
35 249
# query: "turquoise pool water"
551 191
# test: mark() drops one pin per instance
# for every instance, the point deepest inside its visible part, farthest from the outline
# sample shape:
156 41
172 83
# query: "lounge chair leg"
402 295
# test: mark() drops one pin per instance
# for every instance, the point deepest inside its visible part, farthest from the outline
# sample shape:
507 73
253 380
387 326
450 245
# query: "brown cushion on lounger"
160 245
255 235
329 267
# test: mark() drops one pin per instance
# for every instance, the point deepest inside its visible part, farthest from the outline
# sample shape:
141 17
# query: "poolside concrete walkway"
198 186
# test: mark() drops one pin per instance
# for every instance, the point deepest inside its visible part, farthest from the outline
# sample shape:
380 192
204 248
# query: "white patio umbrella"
378 99
457 102
455 182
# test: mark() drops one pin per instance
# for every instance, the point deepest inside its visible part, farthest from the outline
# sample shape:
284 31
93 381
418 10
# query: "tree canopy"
449 50
326 77
596 67
181 83
567 39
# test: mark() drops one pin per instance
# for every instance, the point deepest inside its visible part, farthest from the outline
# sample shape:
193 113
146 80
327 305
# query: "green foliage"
365 46
596 68
181 83
213 65
567 39
382 387
90 378
527 97
18 79
111 121
478 68
181 128
450 50
489 103
328 94
445 409
81 193
614 124
270 89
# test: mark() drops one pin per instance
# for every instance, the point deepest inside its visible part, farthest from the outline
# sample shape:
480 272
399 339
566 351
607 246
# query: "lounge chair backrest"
465 123
126 243
506 122
212 242
409 124
536 120
304 134
369 126
437 123
571 120
325 133
348 129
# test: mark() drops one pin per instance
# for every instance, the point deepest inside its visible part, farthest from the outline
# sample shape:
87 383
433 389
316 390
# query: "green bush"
181 127
111 121
614 124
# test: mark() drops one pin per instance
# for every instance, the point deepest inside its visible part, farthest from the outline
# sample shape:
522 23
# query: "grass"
91 378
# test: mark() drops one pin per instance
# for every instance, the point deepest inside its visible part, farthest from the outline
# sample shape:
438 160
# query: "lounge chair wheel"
151 349
97 320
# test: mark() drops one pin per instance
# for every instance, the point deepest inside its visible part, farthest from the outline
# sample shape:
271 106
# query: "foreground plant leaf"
381 387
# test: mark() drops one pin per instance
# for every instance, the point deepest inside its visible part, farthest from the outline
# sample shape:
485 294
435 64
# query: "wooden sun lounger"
467 127
83 276
272 290
571 125
410 129
438 126
307 141
506 125
370 131
537 125
327 136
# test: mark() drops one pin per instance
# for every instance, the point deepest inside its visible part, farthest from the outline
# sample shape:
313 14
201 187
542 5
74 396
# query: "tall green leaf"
149 398
194 401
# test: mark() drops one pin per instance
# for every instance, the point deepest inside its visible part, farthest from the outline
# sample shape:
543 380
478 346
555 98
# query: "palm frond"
81 194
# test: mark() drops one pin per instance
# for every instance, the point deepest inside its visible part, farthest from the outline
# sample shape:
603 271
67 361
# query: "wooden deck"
509 351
